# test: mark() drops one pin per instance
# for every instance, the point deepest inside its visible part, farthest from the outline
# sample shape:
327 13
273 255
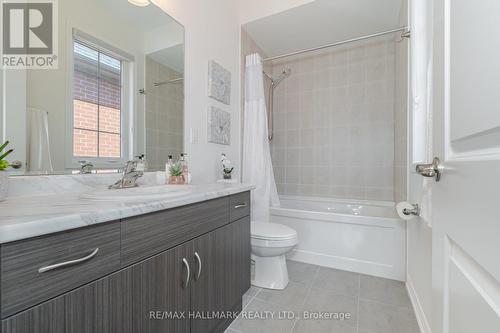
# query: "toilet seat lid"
264 230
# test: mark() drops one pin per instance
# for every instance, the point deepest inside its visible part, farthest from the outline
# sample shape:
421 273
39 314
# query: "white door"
466 136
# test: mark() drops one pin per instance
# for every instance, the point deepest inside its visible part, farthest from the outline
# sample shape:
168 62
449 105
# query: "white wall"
163 38
14 106
250 10
211 32
419 232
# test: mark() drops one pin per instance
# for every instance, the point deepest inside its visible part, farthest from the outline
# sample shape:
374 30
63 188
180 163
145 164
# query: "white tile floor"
376 305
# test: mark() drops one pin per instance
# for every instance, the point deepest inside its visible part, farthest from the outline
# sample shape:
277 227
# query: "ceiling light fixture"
140 3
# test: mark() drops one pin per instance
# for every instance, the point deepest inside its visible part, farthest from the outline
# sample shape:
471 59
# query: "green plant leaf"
4 165
6 154
2 147
175 170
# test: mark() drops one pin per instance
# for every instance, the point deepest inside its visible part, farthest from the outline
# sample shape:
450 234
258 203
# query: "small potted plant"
4 175
175 174
227 168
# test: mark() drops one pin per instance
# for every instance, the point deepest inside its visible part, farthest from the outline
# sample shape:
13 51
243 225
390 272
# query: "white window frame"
126 132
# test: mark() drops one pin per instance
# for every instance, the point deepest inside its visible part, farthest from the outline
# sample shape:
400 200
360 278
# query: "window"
98 104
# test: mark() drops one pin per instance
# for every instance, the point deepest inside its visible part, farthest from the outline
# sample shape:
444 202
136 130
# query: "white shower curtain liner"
39 158
257 165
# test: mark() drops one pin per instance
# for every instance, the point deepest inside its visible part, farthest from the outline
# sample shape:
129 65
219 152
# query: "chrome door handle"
435 169
240 205
198 259
188 276
69 263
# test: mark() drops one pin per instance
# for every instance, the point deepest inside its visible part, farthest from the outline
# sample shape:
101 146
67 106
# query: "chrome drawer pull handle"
185 263
199 265
240 205
69 263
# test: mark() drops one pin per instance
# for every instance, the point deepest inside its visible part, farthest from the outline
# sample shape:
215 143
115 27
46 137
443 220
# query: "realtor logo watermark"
29 34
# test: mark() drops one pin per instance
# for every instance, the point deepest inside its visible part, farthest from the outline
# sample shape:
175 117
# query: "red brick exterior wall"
96 116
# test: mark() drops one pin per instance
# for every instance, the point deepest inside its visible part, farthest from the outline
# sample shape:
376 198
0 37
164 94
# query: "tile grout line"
293 326
386 304
306 297
243 309
251 299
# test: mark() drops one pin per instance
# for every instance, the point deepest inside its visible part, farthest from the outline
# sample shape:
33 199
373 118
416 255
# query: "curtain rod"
157 84
339 43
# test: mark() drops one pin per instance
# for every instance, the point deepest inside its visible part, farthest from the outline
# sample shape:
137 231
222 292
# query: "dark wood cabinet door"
230 271
103 306
204 288
233 262
243 262
161 299
44 318
224 277
238 259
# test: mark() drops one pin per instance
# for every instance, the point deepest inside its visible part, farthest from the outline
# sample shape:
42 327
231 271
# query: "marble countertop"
23 217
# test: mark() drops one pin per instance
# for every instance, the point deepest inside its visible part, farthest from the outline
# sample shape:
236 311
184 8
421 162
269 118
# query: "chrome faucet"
85 167
132 171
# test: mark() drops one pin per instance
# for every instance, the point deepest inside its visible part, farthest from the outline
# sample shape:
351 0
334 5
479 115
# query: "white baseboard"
423 323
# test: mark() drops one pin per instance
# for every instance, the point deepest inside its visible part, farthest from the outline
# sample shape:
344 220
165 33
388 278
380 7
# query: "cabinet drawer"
239 206
147 235
24 285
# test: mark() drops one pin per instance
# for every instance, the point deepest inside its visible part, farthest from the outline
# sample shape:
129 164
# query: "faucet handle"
140 163
86 167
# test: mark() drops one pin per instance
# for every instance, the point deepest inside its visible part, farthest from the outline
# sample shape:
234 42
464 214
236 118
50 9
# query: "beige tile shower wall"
334 123
164 115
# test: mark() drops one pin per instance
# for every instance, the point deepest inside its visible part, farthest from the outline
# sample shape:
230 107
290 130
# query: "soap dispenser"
140 163
185 169
169 163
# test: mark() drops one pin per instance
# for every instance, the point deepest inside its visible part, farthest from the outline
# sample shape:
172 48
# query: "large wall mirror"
118 91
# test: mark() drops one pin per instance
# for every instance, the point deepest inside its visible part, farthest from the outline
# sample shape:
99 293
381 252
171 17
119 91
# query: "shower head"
286 72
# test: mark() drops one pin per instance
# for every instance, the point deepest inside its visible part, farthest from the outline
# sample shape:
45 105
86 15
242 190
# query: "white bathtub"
359 236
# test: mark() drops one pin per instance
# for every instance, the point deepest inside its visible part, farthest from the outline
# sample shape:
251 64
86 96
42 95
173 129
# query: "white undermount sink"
145 193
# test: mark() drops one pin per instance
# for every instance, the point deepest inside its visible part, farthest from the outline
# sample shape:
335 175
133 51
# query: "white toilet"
270 243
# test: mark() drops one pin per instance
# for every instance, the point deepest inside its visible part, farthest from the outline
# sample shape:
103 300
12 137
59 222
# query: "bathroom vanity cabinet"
167 271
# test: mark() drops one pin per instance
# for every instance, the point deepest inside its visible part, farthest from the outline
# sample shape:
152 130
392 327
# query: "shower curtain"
38 151
257 165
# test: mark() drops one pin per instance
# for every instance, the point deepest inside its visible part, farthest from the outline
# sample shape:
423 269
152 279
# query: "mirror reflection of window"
97 96
100 105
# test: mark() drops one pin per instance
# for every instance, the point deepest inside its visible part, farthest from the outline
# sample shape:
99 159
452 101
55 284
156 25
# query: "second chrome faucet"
132 171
